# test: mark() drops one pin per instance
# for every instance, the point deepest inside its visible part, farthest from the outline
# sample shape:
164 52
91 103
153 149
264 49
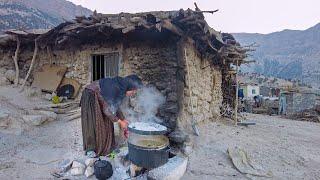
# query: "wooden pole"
15 59
237 99
35 52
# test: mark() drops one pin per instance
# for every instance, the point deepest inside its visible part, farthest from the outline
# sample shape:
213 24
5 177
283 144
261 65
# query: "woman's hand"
123 124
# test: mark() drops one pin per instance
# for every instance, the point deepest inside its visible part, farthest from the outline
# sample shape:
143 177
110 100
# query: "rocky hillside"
289 54
37 14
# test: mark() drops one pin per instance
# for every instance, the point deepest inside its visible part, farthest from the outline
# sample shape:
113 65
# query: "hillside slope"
37 14
290 54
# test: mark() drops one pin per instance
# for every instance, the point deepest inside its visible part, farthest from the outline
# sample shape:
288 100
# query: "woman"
100 103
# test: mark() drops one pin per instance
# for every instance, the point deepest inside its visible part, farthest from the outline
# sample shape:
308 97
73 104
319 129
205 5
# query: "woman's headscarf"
113 90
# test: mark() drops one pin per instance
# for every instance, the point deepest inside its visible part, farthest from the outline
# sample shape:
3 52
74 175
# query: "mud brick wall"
205 86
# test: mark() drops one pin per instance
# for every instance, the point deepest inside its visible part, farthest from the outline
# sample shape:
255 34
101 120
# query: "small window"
105 65
253 91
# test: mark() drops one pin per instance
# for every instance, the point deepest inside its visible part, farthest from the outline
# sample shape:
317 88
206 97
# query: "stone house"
249 90
293 102
175 51
268 91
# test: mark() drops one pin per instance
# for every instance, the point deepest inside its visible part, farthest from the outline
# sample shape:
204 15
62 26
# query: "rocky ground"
30 151
286 149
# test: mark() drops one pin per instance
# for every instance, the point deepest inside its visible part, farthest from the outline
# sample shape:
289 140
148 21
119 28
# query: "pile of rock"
75 168
39 117
79 168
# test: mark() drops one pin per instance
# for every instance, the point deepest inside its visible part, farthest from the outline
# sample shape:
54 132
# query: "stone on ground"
90 161
40 118
77 168
89 171
35 120
173 170
49 115
10 75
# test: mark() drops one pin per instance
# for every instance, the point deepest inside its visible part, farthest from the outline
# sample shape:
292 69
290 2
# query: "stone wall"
161 64
298 102
156 63
205 86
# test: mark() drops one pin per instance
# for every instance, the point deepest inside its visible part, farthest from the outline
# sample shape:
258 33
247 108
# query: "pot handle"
167 149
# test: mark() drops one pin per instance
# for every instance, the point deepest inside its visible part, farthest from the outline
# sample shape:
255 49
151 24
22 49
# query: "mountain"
289 54
37 14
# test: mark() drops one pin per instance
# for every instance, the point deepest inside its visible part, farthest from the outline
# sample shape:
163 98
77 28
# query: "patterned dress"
97 121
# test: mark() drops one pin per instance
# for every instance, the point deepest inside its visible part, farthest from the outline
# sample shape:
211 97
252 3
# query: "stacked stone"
157 65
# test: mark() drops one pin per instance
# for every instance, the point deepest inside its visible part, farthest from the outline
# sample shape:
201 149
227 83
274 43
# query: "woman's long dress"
97 121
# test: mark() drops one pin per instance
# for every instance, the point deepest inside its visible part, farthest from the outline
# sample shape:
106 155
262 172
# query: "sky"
251 16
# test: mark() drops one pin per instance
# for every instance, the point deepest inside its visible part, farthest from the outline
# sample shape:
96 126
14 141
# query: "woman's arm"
120 114
106 110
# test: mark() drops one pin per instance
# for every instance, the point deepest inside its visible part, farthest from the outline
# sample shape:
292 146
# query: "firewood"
75 116
57 106
171 27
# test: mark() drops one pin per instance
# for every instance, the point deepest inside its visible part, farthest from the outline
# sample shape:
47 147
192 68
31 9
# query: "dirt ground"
286 148
32 152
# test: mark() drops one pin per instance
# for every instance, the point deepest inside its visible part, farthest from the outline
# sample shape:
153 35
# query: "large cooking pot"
148 146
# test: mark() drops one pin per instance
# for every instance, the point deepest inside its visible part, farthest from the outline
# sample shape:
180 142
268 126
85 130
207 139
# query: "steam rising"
144 107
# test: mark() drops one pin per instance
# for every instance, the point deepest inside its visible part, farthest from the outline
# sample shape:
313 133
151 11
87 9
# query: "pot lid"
145 128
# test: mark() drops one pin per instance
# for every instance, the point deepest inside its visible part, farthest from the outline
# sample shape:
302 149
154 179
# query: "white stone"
89 171
77 168
35 120
90 161
77 171
10 75
173 170
77 164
